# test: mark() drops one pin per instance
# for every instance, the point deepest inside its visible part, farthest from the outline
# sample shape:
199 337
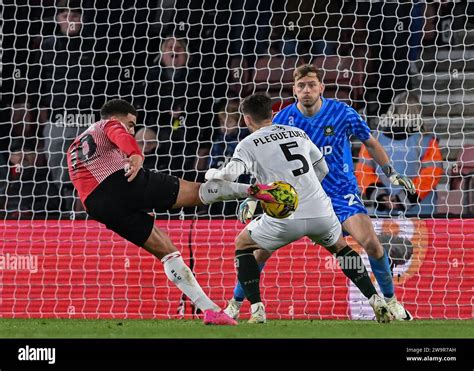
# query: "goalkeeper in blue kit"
329 124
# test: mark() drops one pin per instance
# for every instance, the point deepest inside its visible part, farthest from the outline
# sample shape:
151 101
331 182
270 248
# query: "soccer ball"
287 201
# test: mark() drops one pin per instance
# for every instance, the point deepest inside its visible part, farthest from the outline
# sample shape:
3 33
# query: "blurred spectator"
446 23
146 139
27 193
413 153
229 133
206 24
177 109
23 128
353 34
416 30
251 28
23 186
67 85
163 17
307 27
124 42
389 29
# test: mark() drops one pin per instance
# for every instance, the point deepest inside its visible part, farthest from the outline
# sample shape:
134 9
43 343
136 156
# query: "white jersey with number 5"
286 153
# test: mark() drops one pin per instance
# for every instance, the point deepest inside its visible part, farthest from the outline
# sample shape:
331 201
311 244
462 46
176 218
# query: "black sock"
353 267
248 274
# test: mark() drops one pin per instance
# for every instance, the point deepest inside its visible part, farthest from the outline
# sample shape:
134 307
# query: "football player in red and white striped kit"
105 166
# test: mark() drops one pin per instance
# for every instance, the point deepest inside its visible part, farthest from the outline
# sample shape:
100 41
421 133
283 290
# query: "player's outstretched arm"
380 156
118 135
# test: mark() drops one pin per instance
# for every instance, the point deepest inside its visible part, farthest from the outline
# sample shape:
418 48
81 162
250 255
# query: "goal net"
406 67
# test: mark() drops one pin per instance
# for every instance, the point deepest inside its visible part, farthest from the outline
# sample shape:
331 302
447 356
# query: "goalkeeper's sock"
353 267
383 274
180 274
239 294
248 274
216 190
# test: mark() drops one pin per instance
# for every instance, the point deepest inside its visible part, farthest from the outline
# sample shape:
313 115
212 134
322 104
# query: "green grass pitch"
77 328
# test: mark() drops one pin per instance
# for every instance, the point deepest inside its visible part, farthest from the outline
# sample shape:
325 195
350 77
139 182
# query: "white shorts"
271 234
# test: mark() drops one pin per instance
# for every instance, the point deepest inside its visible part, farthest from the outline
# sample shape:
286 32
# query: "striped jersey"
282 153
330 129
98 152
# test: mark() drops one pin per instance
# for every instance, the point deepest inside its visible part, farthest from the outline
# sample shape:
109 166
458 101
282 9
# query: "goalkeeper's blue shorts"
347 205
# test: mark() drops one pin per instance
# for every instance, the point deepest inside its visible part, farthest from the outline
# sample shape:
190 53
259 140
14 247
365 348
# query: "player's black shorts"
122 205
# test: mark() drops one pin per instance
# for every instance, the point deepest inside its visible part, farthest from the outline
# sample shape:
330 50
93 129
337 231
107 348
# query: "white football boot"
382 313
399 313
233 308
258 313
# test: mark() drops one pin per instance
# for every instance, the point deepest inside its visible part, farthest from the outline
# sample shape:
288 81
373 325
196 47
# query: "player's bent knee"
188 195
239 242
243 241
372 246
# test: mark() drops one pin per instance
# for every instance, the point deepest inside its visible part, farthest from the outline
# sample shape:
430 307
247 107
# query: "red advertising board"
79 269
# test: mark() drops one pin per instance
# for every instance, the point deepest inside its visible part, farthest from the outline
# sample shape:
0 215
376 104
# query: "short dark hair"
69 5
258 106
117 107
305 69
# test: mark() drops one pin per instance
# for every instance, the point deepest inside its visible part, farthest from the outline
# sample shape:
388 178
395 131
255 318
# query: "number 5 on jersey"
285 147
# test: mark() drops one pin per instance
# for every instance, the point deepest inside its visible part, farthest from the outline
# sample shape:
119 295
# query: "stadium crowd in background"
177 109
174 60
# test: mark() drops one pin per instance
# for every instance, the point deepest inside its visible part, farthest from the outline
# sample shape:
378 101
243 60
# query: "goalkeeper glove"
246 210
397 179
